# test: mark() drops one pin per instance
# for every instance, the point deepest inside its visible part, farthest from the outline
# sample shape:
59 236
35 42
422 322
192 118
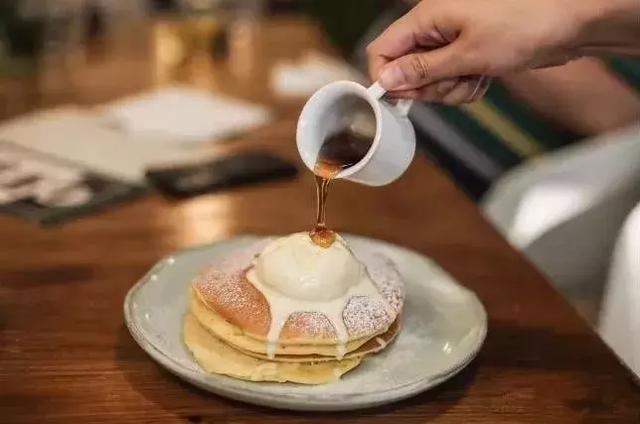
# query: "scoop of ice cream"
300 269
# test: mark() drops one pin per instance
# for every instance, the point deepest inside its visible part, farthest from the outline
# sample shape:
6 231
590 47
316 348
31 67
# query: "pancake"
292 312
215 356
224 288
235 336
373 345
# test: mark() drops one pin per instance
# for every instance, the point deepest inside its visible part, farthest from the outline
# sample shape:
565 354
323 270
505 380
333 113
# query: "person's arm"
610 27
440 48
582 96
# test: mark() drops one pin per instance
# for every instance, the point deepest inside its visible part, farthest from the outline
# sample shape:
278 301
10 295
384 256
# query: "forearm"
582 96
609 26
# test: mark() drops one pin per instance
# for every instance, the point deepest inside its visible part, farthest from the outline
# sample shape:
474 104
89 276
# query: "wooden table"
66 355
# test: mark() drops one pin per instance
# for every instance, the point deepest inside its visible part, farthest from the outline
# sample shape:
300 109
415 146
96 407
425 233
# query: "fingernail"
444 87
392 77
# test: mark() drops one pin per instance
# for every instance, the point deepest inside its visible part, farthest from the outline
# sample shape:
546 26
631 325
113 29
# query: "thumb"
419 69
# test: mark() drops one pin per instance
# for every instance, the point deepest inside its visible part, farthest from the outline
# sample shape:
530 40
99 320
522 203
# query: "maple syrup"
338 152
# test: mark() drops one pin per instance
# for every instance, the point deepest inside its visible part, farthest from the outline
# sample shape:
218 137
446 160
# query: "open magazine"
47 189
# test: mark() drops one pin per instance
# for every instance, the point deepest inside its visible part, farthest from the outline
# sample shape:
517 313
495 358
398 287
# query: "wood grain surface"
66 355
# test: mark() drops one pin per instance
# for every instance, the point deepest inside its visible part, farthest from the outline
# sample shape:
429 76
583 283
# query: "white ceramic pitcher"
394 143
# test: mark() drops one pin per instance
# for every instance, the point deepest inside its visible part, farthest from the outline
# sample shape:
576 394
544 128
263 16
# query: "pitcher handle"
402 106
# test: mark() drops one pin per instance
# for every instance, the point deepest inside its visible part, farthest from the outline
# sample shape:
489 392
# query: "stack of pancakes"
228 321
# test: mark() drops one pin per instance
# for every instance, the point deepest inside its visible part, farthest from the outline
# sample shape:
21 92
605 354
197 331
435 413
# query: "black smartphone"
220 173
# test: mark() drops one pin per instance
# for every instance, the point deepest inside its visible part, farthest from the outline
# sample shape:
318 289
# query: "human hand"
447 50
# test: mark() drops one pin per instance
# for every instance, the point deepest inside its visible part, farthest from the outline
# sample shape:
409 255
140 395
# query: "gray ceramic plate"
444 326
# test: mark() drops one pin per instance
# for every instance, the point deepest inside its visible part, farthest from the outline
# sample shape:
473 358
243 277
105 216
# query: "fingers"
397 40
414 51
481 89
450 91
464 92
429 93
420 69
417 59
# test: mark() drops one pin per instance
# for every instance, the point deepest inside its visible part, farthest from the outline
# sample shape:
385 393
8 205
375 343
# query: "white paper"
81 136
185 114
314 70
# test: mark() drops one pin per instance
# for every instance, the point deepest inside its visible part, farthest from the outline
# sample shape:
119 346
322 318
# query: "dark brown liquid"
339 151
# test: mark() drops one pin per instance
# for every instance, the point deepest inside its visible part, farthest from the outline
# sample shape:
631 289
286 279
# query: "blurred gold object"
183 48
198 33
168 52
242 44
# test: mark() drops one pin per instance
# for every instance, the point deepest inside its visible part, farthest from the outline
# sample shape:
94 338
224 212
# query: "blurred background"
97 97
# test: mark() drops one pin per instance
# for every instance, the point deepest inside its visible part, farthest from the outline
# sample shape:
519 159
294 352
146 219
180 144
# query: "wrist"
607 26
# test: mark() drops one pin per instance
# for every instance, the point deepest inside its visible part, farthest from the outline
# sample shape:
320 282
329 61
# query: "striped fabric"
506 130
627 68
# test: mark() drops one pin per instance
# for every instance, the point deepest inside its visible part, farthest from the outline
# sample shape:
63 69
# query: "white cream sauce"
282 307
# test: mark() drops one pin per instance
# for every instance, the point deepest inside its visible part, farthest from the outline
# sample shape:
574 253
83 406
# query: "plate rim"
223 385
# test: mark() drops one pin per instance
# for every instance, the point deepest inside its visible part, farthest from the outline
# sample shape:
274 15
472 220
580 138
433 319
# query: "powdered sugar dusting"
385 276
221 280
364 316
313 324
225 288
